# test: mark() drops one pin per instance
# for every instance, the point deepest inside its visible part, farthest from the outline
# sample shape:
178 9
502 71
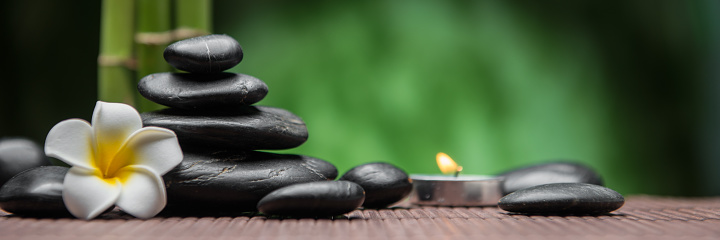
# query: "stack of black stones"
220 132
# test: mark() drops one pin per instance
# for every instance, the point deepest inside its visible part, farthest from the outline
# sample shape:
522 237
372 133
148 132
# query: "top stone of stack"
204 55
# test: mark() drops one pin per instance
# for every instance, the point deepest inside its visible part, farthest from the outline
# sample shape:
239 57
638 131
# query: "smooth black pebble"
196 91
227 182
384 183
35 192
17 155
328 198
241 128
554 172
563 199
206 54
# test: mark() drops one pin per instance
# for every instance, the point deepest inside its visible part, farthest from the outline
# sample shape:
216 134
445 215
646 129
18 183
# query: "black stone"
35 192
194 91
384 183
232 182
555 172
329 198
563 199
206 54
17 155
242 128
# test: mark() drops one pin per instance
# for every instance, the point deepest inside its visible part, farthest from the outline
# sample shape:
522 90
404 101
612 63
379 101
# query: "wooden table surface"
642 217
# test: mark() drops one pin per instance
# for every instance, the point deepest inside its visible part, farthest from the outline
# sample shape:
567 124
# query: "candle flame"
446 164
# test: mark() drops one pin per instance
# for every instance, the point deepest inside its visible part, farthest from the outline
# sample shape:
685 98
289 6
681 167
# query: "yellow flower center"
108 160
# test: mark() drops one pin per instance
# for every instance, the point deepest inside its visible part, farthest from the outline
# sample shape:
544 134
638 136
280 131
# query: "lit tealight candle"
447 165
465 190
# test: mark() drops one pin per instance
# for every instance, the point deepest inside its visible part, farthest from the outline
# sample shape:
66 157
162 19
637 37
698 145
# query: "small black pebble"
35 192
563 199
327 198
384 183
554 172
17 155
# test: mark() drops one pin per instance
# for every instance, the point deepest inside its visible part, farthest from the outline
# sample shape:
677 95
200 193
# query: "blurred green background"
628 87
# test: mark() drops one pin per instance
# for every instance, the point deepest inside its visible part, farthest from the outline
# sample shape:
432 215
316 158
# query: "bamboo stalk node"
105 60
154 38
185 33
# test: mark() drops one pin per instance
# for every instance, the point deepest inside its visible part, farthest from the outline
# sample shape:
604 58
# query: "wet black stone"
329 198
194 91
563 199
242 128
384 183
231 182
17 155
206 54
35 192
555 172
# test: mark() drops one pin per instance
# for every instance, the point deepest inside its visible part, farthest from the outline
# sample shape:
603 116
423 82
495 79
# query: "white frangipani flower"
115 162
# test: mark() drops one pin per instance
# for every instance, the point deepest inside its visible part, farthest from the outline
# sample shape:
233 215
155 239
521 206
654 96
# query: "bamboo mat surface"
642 217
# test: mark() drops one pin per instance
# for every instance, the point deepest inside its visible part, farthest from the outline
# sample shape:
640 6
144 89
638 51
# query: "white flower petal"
143 192
86 195
71 141
112 124
152 147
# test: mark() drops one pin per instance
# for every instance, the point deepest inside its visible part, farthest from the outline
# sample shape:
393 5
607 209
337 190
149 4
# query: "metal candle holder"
456 191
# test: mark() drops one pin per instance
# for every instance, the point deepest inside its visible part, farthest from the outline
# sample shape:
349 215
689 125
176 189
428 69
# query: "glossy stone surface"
384 183
554 172
241 128
563 199
225 181
17 155
206 54
327 198
196 91
35 192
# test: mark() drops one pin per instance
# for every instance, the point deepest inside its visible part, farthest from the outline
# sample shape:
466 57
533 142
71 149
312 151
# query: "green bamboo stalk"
115 79
152 36
192 18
